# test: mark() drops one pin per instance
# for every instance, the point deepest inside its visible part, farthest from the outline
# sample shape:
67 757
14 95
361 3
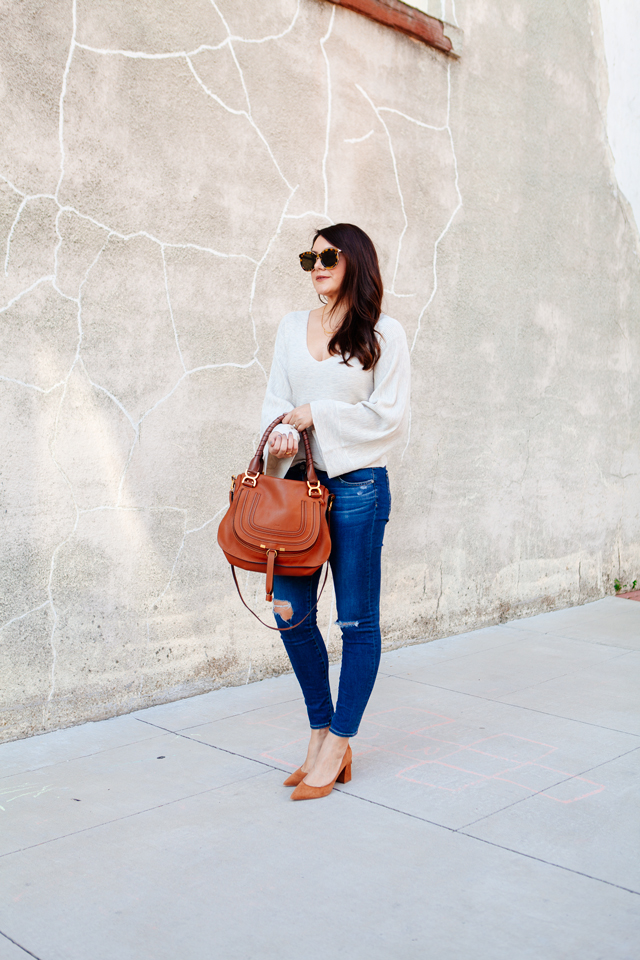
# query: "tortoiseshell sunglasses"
328 259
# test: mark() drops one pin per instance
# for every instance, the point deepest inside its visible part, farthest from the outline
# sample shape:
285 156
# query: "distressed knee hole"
347 623
283 608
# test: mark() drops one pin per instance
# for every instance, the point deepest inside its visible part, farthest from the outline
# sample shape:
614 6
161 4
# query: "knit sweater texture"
358 415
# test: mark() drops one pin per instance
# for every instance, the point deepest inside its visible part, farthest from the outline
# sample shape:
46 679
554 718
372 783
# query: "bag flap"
277 513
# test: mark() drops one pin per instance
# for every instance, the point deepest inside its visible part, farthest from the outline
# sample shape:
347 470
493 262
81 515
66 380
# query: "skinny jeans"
357 521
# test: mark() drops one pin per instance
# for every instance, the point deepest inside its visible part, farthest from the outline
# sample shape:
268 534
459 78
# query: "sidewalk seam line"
470 836
128 743
561 676
136 813
19 945
81 756
230 716
517 706
203 743
537 793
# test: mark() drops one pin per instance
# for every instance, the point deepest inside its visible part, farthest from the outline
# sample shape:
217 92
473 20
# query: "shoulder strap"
279 629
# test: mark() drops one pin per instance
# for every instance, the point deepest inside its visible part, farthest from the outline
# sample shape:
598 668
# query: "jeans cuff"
337 733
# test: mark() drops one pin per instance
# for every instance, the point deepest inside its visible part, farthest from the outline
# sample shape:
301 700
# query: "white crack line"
447 128
232 51
63 92
55 254
67 208
48 279
177 54
173 322
307 213
114 399
255 279
23 615
143 55
246 113
214 96
275 36
15 189
207 522
31 386
405 116
328 130
451 218
402 207
158 403
186 533
359 139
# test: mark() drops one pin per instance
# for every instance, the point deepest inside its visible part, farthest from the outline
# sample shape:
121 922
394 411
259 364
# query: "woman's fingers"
300 417
274 441
291 446
282 445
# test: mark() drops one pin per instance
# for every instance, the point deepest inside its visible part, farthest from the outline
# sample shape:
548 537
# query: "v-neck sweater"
358 415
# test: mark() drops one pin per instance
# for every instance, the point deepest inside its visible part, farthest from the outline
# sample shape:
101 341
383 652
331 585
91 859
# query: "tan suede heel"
304 792
296 777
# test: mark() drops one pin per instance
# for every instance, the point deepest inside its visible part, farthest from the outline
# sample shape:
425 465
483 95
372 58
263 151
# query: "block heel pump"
304 792
345 774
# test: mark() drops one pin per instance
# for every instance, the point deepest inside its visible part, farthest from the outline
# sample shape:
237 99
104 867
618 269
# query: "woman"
341 372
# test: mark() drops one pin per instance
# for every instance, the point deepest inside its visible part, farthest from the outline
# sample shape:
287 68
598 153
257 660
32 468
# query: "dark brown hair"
361 293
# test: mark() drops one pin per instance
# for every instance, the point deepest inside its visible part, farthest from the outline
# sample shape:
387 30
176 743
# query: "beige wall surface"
161 165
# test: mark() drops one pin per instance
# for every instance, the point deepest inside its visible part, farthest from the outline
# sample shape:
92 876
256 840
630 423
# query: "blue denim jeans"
358 517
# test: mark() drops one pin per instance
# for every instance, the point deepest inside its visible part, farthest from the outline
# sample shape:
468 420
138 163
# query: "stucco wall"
161 165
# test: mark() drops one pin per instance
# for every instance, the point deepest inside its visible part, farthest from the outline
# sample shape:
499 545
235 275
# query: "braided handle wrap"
256 463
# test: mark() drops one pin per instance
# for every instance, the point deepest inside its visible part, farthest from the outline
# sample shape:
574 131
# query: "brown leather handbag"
276 526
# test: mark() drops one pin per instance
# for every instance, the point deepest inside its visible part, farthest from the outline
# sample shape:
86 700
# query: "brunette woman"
341 372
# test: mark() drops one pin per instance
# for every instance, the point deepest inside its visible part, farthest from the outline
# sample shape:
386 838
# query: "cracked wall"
161 166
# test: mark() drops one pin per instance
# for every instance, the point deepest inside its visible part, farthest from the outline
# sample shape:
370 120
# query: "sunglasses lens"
329 258
307 261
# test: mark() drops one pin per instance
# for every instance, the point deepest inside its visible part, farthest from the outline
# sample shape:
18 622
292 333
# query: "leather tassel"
271 559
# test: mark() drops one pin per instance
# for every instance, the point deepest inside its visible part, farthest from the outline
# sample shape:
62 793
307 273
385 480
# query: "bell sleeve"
354 435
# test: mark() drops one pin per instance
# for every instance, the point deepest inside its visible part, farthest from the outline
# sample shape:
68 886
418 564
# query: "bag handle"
279 629
256 463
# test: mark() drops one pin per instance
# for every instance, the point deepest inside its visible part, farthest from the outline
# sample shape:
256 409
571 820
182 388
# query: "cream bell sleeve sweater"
357 415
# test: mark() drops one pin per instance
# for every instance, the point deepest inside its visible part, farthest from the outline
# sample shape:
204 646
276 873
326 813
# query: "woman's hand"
300 417
282 445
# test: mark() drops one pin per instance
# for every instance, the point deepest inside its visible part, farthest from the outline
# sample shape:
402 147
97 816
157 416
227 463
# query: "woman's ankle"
334 745
316 741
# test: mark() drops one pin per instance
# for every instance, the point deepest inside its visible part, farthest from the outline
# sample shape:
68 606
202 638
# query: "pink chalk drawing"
453 765
503 758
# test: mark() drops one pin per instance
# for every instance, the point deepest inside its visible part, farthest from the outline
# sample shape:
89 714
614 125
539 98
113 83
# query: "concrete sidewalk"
493 813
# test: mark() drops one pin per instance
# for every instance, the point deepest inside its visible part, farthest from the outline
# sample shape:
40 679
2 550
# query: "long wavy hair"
361 293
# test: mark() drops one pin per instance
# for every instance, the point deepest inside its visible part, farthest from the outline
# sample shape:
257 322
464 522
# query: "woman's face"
327 282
